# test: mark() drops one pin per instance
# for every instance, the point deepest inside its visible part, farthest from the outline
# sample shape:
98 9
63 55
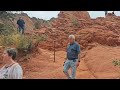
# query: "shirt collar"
73 43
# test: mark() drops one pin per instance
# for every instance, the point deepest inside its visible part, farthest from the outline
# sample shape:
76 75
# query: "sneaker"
70 77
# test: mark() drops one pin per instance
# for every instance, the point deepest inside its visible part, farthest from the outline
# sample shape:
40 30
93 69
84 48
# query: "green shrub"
19 41
37 25
75 22
6 15
116 62
6 40
6 29
23 42
13 39
2 29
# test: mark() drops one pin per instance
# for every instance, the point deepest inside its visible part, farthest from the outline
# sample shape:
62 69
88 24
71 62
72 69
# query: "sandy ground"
96 64
43 67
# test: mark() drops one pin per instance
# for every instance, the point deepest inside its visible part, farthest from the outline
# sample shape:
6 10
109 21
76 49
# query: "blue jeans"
70 64
21 29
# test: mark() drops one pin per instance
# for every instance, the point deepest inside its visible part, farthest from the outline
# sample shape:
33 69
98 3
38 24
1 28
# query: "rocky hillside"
99 40
104 31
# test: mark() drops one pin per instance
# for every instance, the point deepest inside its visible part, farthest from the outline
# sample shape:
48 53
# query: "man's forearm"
79 58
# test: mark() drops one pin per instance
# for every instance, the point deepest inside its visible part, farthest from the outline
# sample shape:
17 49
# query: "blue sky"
49 14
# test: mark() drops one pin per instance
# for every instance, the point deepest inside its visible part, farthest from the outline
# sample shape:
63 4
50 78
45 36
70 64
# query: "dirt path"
43 67
95 64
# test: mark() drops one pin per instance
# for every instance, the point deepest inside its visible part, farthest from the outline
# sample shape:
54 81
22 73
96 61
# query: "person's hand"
77 64
64 63
65 60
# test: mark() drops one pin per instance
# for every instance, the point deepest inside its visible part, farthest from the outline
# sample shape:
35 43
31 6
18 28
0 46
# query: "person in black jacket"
21 25
113 13
106 13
